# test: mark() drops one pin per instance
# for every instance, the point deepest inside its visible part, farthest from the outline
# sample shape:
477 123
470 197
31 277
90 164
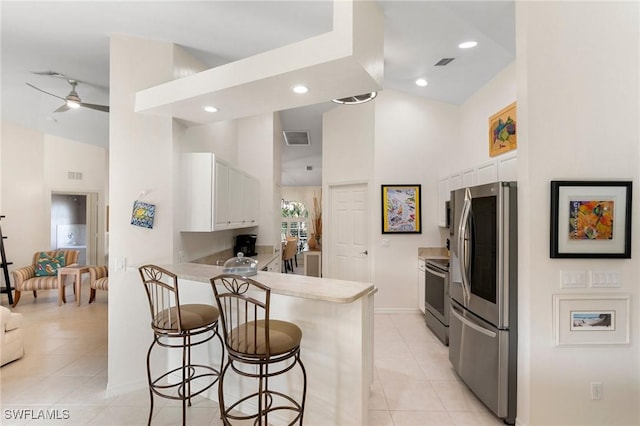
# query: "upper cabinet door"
251 201
221 202
197 192
508 167
235 203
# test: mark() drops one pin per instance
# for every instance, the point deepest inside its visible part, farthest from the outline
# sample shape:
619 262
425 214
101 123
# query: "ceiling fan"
72 100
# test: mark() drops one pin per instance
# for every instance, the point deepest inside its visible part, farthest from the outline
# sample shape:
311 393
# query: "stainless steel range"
437 297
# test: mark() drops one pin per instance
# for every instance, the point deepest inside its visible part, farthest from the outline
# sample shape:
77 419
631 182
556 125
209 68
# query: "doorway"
349 230
74 224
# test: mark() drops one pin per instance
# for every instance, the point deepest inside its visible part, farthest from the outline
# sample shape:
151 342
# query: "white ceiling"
72 38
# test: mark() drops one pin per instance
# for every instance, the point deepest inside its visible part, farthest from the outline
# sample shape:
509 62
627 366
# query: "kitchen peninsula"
336 318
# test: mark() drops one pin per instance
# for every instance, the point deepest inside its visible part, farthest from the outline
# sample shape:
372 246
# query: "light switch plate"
574 279
606 279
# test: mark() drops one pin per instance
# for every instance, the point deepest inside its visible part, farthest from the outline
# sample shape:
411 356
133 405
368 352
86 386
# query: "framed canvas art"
401 212
502 131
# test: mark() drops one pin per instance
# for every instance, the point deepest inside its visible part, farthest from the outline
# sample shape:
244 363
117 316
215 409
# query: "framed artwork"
590 219
143 214
502 131
592 319
401 212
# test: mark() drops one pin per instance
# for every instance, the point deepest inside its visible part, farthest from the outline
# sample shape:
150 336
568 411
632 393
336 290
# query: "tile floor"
65 368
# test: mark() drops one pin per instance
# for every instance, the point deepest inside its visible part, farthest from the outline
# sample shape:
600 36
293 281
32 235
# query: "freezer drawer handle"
476 327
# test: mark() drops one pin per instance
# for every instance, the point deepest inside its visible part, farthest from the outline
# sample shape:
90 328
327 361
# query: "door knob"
364 252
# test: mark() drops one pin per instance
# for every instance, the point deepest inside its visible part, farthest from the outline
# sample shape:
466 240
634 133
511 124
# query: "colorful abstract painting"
143 214
401 209
590 220
502 131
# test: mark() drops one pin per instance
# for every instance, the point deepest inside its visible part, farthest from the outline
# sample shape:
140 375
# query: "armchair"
25 279
98 280
11 340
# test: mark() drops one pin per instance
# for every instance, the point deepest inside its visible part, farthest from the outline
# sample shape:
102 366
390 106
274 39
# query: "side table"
76 271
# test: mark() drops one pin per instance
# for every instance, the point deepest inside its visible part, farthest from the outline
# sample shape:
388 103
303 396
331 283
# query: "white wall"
256 156
472 144
413 136
578 106
33 165
142 159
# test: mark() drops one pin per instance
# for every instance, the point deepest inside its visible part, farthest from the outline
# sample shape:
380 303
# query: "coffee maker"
245 243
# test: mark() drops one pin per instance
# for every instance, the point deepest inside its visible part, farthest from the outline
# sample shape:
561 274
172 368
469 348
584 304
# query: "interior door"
348 257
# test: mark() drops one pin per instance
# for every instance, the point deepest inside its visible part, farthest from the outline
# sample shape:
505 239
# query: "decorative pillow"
48 265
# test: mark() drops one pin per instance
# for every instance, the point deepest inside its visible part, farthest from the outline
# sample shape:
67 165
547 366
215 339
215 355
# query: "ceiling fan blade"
103 108
50 74
43 91
64 107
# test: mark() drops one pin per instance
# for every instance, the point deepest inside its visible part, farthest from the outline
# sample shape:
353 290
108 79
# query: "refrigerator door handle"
463 246
472 325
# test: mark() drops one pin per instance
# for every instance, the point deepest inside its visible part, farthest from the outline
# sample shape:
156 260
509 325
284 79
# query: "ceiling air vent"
444 61
299 138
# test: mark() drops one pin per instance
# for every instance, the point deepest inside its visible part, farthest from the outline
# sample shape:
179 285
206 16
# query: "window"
295 221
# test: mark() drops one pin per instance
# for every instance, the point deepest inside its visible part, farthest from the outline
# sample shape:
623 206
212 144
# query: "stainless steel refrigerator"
483 291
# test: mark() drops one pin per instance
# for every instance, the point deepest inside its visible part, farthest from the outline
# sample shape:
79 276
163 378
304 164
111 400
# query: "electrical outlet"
596 390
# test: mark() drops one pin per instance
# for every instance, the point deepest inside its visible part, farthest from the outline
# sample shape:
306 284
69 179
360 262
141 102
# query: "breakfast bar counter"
336 318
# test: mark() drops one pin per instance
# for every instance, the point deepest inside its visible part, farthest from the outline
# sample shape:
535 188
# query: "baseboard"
397 311
125 388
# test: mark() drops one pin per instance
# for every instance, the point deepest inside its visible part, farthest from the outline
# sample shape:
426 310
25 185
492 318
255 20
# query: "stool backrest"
164 303
244 310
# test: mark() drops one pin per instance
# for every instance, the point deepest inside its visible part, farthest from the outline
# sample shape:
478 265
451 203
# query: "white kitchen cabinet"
220 204
421 285
486 173
455 182
213 194
508 167
236 198
443 197
251 201
468 178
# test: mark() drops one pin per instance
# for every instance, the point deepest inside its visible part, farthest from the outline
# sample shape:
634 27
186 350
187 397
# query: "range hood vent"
297 138
444 61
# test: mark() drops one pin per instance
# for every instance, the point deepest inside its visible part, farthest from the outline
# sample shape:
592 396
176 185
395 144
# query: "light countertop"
323 289
432 253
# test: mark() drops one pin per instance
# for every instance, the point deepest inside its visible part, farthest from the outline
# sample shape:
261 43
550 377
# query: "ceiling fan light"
358 99
73 104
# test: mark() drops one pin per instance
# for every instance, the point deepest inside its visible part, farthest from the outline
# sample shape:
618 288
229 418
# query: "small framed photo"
594 319
401 212
590 219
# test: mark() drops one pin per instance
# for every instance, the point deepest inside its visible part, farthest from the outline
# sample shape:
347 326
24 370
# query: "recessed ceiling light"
300 89
468 44
421 82
210 109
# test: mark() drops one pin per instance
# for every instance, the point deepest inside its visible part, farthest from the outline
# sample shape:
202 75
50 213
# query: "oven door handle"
434 272
472 325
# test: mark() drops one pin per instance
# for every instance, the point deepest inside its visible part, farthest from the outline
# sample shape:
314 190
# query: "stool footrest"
195 372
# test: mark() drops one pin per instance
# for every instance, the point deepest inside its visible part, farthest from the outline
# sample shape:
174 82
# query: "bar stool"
174 325
258 347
